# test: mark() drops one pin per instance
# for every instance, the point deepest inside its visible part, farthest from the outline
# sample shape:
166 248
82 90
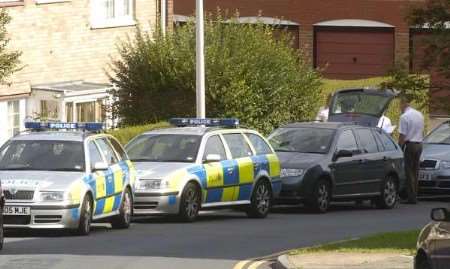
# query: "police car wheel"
84 227
1 235
123 220
261 200
319 201
389 194
190 203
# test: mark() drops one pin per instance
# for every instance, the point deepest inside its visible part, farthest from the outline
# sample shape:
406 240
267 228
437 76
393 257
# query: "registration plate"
425 176
16 210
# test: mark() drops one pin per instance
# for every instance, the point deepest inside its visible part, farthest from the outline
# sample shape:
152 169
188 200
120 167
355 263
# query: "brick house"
66 46
350 39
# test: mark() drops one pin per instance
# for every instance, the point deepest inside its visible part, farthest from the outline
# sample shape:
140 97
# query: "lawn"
394 242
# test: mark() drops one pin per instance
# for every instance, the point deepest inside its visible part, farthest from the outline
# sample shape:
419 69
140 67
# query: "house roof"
14 90
71 86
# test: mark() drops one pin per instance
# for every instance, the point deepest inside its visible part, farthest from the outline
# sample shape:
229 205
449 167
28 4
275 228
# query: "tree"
250 75
435 16
8 60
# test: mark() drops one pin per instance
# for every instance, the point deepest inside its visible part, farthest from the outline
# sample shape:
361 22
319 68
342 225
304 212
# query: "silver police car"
205 164
65 179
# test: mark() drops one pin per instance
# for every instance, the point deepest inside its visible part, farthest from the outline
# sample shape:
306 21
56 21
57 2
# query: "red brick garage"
349 49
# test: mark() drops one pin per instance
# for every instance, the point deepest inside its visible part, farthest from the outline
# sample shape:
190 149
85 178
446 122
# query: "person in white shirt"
411 130
325 110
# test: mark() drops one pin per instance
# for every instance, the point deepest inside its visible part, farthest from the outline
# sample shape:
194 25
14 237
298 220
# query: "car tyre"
123 220
1 232
261 200
190 203
320 199
389 194
422 263
84 226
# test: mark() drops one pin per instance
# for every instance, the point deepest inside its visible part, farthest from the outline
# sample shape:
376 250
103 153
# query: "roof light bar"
88 126
182 122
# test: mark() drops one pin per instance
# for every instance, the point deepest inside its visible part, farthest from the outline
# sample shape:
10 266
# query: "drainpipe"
163 16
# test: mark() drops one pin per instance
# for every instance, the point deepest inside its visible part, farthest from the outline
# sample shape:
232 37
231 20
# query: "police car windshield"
164 148
303 140
42 155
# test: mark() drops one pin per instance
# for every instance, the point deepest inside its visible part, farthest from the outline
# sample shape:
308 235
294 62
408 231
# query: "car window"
94 154
347 141
108 152
259 144
164 148
387 142
237 145
118 148
215 146
368 143
303 140
44 155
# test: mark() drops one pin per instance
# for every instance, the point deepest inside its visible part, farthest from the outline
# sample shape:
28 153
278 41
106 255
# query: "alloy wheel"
390 193
262 198
192 203
323 197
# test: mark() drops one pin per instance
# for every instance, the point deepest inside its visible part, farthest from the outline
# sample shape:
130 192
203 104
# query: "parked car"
201 164
433 244
434 173
345 159
2 204
59 177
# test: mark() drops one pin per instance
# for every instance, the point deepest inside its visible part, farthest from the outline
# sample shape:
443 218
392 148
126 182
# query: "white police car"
65 178
203 163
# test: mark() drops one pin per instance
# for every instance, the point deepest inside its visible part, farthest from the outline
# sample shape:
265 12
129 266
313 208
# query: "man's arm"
401 140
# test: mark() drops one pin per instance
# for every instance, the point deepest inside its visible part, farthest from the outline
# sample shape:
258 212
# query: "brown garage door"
352 53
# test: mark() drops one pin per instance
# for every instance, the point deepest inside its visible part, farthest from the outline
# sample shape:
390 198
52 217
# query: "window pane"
259 144
347 142
388 144
69 112
368 143
86 112
94 154
107 151
13 118
215 146
237 145
118 148
305 140
49 109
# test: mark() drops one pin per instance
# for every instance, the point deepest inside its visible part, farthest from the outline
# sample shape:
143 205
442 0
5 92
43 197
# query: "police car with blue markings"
200 164
63 176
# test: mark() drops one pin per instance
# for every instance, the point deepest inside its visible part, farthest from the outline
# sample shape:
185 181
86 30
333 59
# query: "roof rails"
83 126
207 122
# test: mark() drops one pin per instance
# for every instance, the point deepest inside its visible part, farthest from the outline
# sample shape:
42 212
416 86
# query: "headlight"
445 165
151 184
291 172
49 196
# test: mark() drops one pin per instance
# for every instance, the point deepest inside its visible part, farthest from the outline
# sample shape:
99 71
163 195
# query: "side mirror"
211 158
342 153
100 166
440 214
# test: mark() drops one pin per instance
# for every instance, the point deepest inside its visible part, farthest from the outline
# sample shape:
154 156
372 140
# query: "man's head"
404 103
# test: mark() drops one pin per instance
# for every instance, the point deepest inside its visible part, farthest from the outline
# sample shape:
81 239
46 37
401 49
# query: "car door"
346 170
442 245
215 191
108 199
372 161
240 171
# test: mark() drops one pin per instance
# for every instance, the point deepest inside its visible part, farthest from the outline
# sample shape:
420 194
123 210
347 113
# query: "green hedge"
127 133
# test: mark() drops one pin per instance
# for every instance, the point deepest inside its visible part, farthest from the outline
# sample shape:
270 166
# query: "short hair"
405 99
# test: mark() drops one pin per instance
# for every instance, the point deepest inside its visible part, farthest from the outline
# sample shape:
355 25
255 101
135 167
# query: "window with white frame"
13 117
112 13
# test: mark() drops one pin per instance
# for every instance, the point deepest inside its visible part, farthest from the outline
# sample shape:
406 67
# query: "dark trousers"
412 161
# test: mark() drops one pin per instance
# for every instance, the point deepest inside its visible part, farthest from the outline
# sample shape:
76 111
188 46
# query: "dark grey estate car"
434 173
337 161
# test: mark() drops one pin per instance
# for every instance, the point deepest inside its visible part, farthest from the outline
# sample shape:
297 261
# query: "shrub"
124 135
250 75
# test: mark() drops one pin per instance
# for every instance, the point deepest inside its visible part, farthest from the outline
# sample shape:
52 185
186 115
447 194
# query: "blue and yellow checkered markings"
261 163
245 191
274 166
230 172
200 173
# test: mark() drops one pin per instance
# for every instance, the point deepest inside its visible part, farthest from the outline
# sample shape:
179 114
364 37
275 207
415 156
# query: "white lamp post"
200 60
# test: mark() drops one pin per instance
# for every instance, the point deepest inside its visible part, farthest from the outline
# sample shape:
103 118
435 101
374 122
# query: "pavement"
333 260
219 239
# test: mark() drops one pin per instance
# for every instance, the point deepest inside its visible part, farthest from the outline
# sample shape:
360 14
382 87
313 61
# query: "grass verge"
394 242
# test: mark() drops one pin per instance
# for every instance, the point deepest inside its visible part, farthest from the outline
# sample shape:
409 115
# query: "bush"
124 135
250 75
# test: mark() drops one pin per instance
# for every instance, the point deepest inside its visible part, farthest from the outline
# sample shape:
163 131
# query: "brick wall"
58 43
307 13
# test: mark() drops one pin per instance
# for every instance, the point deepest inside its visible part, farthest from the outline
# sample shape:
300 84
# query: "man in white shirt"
386 124
411 135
